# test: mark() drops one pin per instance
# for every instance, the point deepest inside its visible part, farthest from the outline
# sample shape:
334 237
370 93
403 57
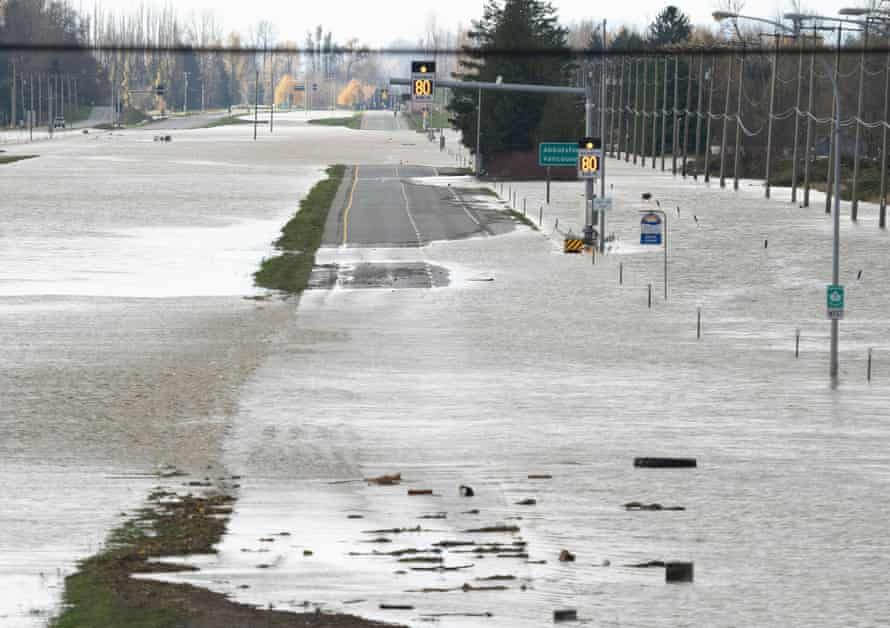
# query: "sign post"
651 223
559 154
834 302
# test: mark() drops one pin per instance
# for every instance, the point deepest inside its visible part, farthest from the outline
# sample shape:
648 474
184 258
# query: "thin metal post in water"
698 324
523 207
650 296
621 273
868 375
541 216
797 343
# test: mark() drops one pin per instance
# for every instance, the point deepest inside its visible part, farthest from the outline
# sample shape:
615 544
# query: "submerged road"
385 206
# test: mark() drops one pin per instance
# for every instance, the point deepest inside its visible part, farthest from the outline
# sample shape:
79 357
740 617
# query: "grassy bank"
300 238
103 593
439 120
226 122
9 159
352 122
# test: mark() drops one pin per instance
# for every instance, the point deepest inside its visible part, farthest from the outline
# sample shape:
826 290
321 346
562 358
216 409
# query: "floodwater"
554 368
528 361
126 336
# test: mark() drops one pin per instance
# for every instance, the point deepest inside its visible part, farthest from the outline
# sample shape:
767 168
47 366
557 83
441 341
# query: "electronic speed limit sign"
423 80
589 156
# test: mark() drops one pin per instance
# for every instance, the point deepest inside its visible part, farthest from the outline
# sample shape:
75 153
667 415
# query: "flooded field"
524 362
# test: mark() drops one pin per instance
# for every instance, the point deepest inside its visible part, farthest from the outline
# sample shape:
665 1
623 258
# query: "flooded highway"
532 376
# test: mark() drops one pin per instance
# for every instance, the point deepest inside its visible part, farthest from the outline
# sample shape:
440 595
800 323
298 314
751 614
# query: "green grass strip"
300 238
228 120
10 159
352 122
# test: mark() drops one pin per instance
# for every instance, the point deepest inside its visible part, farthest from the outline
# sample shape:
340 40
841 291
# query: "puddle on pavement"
401 275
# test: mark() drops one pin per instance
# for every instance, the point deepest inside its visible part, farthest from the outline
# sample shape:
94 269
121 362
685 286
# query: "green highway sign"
558 154
834 301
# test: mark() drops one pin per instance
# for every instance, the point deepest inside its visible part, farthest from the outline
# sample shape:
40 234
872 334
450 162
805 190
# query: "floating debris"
475 511
385 480
566 556
565 615
651 563
540 476
527 502
438 515
500 528
505 577
396 607
466 491
355 516
656 506
422 559
420 491
453 543
443 568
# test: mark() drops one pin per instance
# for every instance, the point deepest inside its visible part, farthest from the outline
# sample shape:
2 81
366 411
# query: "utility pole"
882 216
479 133
654 111
854 207
769 123
711 82
14 120
725 121
738 126
664 102
687 109
675 131
701 83
256 101
588 132
185 108
603 146
796 120
806 152
834 136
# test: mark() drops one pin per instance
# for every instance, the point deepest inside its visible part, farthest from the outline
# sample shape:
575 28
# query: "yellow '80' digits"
590 163
423 87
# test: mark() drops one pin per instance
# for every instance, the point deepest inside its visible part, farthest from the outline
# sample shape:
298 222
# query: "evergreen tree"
515 29
670 27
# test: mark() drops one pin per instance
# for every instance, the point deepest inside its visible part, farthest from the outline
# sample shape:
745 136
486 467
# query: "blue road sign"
650 229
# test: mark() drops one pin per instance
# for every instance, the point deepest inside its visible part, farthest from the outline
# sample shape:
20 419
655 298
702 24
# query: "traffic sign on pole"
650 228
589 155
834 301
423 80
557 154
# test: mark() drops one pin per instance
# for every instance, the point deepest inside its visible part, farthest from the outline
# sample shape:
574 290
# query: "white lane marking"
464 206
408 209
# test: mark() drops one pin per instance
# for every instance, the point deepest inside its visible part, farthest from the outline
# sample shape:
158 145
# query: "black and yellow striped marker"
572 245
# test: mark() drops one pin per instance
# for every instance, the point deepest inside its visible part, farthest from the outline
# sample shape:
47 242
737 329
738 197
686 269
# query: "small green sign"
558 154
834 301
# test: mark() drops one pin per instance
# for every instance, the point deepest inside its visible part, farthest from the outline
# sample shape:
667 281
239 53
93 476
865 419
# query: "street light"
797 19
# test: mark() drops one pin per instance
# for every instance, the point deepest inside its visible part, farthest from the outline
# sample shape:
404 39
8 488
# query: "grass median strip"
353 122
10 159
228 120
300 238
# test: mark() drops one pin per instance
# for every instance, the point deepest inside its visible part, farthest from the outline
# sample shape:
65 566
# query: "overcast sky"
379 22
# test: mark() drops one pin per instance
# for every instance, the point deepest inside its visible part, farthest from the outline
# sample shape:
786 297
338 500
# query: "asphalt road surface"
382 121
383 207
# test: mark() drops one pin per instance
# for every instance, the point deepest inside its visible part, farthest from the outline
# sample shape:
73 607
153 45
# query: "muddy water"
126 336
554 368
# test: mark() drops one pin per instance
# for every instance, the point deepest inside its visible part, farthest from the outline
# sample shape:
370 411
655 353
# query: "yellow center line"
349 206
